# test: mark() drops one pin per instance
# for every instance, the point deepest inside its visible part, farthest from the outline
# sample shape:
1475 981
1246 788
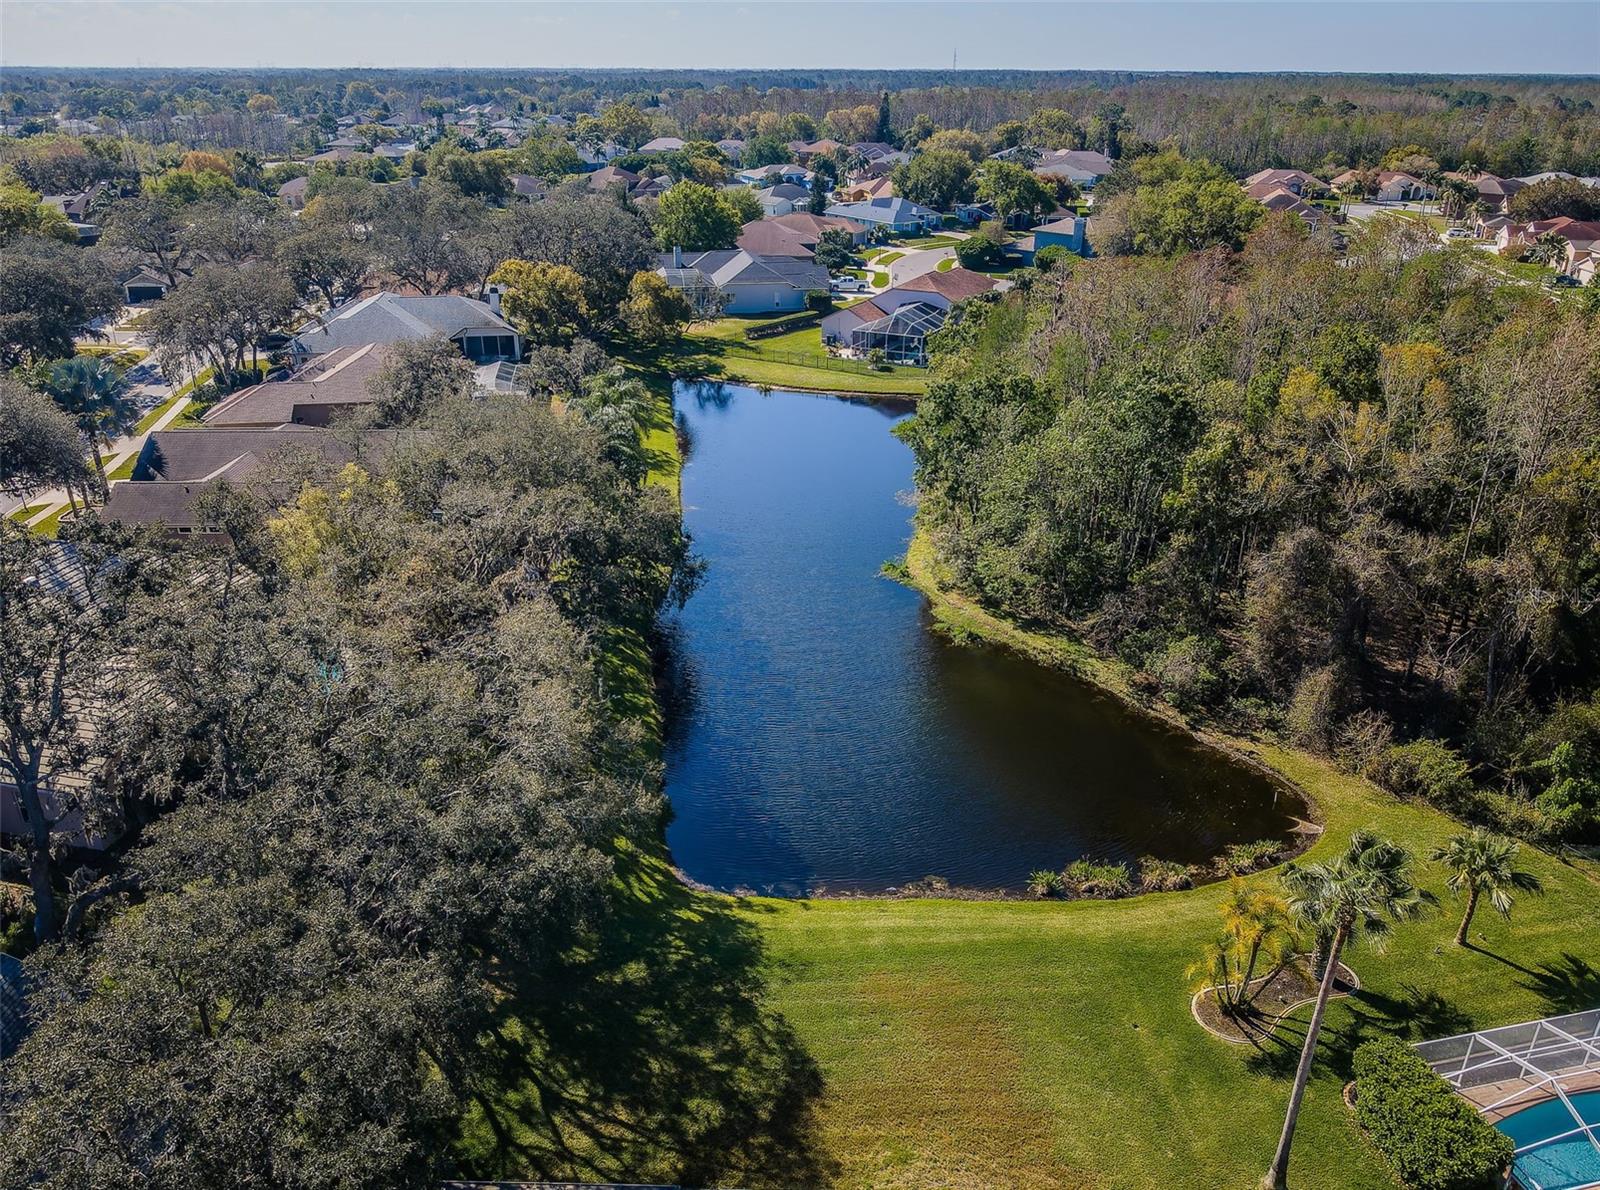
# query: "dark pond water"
822 737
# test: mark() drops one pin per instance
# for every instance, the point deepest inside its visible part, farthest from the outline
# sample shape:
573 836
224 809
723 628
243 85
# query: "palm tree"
91 389
1256 925
1549 249
1481 862
1359 893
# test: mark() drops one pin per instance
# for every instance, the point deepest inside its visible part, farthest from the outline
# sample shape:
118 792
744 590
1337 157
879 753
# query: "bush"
1044 883
1048 257
1319 699
1163 875
1431 1137
1184 669
1429 770
1240 859
1086 878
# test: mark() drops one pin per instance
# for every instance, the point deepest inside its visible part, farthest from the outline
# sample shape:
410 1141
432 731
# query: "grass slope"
719 351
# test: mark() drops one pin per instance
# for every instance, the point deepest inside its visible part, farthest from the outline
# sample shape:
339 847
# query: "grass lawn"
879 279
887 258
21 515
1524 272
49 526
944 266
719 351
124 469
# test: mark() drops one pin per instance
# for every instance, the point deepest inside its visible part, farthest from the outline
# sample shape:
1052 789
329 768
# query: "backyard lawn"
719 351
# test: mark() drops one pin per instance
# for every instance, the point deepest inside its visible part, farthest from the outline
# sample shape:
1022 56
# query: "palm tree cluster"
1362 894
1258 934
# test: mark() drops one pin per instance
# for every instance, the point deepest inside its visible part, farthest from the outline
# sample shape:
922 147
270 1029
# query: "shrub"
1240 859
1319 698
1163 875
1048 257
1363 738
1426 769
1184 669
1044 883
1086 878
1431 1137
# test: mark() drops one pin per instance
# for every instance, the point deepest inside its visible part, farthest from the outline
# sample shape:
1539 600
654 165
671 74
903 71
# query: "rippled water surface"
822 737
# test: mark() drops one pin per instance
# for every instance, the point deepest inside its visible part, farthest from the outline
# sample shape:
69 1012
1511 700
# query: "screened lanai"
902 335
1538 1082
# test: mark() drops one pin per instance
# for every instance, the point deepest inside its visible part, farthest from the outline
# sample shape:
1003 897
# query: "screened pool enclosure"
1539 1083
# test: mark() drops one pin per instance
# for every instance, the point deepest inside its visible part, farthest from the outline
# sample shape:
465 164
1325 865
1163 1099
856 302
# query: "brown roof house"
898 321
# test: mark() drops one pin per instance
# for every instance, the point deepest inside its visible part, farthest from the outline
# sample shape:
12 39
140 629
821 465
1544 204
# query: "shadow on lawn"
651 1056
1412 1016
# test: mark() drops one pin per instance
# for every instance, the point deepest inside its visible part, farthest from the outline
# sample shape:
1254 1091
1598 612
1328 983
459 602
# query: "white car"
1456 233
849 284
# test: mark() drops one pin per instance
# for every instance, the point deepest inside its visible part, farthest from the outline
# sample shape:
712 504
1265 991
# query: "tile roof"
956 284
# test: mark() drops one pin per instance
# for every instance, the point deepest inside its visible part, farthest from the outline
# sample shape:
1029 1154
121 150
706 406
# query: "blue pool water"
1561 1164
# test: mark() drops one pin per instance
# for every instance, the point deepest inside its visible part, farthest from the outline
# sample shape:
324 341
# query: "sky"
1449 36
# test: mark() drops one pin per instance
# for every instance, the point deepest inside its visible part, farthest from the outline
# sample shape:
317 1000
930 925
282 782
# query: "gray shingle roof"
393 318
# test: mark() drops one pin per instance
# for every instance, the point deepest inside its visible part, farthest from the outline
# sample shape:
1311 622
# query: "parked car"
1456 233
849 285
1560 281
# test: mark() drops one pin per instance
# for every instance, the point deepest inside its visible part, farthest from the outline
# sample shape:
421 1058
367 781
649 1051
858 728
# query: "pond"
823 738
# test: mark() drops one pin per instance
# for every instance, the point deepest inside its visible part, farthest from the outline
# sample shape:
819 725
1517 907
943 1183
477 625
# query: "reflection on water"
821 736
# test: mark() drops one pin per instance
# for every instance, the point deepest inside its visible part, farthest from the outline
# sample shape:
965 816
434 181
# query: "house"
732 148
146 285
812 226
384 317
739 282
782 199
175 468
865 189
327 386
1487 227
795 234
1497 192
662 144
292 193
805 150
594 156
653 187
1280 198
395 150
612 175
1296 181
776 175
526 188
1069 232
1394 186
1582 237
1082 167
898 321
336 156
896 216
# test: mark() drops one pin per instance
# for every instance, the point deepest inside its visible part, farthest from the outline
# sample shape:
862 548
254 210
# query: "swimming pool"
1553 1152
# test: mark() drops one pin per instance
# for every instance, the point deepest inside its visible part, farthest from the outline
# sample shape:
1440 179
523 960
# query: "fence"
829 362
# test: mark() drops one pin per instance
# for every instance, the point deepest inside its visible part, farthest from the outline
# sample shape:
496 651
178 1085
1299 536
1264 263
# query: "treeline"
1356 499
366 768
1508 125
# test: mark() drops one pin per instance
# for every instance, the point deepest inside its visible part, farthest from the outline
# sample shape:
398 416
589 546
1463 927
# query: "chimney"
677 257
491 295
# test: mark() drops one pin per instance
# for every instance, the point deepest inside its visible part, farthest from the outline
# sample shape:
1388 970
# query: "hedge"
782 326
1432 1137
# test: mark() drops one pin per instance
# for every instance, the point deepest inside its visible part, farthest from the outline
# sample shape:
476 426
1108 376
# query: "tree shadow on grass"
650 1056
1412 1016
1569 984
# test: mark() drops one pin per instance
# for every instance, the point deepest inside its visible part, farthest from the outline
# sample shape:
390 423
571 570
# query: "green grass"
879 279
21 515
52 523
944 266
887 258
124 469
719 351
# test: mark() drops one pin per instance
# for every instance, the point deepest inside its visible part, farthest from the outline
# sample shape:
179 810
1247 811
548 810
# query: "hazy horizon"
1459 37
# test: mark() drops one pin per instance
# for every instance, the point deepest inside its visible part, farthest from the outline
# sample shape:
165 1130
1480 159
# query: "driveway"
914 264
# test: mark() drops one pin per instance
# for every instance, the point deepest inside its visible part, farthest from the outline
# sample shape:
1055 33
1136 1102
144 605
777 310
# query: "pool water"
1563 1164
